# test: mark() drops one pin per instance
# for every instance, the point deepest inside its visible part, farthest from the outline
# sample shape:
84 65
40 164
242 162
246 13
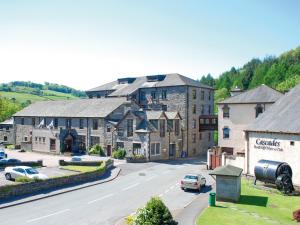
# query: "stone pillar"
224 158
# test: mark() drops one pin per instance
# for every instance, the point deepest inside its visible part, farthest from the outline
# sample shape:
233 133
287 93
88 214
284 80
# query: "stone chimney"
236 91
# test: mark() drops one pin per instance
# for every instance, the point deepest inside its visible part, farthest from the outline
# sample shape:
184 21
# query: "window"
153 95
40 139
202 109
95 140
202 95
258 110
214 121
95 124
129 128
80 123
7 128
44 139
226 132
5 138
194 109
154 123
194 124
120 131
200 136
170 125
143 96
108 129
98 96
55 123
201 121
81 142
292 143
209 136
194 138
120 145
25 138
164 107
33 121
22 121
52 144
36 138
194 94
176 127
164 94
68 123
209 95
155 149
162 127
225 111
45 122
209 109
206 121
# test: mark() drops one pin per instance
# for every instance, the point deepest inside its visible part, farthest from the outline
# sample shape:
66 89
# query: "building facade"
169 93
6 132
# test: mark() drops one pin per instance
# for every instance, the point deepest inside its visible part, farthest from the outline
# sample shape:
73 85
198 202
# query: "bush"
97 150
10 146
119 154
296 215
24 179
139 156
155 212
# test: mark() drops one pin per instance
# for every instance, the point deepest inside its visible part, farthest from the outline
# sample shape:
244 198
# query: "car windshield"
191 177
31 171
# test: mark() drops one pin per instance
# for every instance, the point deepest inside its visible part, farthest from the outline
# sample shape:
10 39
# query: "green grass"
254 207
54 95
83 169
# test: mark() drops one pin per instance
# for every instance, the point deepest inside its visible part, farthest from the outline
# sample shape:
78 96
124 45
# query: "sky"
84 44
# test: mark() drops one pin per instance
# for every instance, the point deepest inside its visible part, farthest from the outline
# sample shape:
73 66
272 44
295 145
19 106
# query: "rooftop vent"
127 80
156 78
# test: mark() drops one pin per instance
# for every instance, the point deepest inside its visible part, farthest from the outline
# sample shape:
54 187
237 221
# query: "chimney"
236 91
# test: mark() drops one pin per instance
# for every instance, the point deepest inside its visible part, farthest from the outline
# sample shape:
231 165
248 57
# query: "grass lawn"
256 207
82 169
21 97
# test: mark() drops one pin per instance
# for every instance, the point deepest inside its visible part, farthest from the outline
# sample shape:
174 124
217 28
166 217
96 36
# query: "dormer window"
226 111
258 110
156 78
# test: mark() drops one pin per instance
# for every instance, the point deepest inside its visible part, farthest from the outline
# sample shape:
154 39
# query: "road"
107 203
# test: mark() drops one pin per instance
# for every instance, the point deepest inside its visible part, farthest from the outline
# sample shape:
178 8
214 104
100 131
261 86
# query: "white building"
240 110
275 135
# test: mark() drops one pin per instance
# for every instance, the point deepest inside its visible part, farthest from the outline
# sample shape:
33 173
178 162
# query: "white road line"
43 217
150 178
99 199
131 186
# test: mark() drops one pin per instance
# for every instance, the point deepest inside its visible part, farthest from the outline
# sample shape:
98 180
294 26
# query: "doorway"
68 142
172 150
108 150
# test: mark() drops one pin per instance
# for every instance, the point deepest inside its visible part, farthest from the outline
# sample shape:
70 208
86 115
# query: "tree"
155 212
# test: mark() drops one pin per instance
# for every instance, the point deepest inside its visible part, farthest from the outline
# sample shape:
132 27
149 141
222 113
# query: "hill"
18 94
281 73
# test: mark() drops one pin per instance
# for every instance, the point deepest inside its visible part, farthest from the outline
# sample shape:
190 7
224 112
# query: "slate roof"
172 115
8 122
72 108
282 117
227 170
261 94
154 115
173 79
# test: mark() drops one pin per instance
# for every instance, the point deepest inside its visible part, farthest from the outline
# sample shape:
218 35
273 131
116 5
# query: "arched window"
258 110
226 132
226 111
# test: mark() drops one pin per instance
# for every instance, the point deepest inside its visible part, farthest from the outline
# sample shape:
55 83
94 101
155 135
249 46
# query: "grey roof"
72 108
9 121
227 170
261 94
154 115
172 115
173 79
282 117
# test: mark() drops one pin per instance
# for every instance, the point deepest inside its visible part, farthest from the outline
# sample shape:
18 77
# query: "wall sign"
273 145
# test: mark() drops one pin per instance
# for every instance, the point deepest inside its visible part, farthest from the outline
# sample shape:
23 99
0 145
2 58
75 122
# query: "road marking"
131 186
99 199
43 217
150 178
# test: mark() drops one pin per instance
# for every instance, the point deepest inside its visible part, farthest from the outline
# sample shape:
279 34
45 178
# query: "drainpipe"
87 134
169 143
187 121
149 146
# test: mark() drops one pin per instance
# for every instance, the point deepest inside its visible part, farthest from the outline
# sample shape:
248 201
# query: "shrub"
296 215
10 146
129 220
97 150
155 212
23 179
119 154
139 156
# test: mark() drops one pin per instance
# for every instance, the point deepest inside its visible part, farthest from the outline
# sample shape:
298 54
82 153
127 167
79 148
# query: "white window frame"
156 144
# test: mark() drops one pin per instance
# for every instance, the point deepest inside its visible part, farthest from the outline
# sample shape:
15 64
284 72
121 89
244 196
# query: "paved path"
107 203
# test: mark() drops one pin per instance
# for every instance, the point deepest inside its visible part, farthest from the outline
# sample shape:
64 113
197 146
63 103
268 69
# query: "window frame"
227 134
129 127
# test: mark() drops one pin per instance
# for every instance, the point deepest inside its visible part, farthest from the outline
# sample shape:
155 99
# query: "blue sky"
87 43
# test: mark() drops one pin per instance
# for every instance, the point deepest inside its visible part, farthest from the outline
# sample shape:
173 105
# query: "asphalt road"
107 203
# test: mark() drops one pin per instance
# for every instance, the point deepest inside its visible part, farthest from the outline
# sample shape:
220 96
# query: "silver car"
193 181
11 173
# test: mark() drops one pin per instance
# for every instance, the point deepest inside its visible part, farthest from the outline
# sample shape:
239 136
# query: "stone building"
238 111
6 132
171 93
275 135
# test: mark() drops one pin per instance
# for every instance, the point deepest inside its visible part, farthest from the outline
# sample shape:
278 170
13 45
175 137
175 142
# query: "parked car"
76 159
11 173
10 160
193 181
3 155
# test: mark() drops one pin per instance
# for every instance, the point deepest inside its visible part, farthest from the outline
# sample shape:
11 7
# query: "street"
107 203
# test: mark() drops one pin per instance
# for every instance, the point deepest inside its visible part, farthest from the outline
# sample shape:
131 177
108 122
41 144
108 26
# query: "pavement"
109 202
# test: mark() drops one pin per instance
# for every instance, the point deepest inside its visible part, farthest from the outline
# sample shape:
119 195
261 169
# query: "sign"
272 145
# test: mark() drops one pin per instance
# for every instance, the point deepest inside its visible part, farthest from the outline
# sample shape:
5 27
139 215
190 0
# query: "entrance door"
172 150
108 150
68 143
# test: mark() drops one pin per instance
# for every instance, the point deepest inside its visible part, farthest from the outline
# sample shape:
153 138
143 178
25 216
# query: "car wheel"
8 176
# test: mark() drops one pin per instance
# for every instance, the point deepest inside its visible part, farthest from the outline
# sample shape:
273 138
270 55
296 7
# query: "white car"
193 181
11 173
